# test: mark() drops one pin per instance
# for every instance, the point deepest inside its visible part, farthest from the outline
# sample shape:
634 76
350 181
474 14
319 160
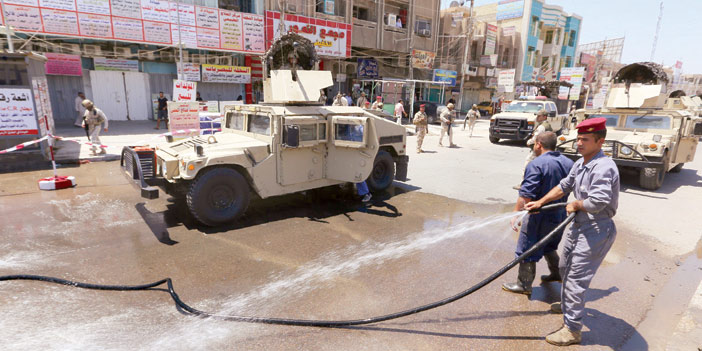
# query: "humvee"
290 143
518 120
647 131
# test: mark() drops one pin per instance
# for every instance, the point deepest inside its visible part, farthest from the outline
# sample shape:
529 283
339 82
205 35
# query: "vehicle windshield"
260 124
611 119
523 106
647 122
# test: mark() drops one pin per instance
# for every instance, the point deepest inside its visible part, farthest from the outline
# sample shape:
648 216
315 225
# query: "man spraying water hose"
541 175
594 181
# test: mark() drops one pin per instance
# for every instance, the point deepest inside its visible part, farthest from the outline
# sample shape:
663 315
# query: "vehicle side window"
235 120
348 132
260 124
552 107
308 132
322 131
647 122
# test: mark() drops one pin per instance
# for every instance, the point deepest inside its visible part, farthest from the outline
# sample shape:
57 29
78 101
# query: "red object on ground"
56 183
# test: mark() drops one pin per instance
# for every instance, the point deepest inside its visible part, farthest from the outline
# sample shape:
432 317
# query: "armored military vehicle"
648 131
289 143
518 120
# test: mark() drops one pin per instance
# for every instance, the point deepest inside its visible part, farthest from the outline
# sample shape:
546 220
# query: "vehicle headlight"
625 150
164 170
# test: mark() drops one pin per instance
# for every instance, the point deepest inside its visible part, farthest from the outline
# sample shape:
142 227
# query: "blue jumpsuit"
589 239
540 176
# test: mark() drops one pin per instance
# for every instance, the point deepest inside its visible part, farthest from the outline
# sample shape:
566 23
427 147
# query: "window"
521 106
611 119
260 124
395 15
361 13
549 37
234 5
534 26
348 132
568 61
322 131
331 7
544 62
308 132
530 56
558 34
571 40
647 122
422 27
565 38
235 120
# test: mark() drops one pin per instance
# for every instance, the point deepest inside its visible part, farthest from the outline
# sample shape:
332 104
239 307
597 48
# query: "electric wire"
305 322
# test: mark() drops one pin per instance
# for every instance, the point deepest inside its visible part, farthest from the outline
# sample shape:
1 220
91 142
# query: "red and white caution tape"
23 145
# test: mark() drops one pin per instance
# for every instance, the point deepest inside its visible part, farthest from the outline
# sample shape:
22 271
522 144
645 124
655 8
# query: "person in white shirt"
399 111
80 110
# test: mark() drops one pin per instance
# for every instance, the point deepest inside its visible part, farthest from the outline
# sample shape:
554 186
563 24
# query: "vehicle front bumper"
507 133
141 171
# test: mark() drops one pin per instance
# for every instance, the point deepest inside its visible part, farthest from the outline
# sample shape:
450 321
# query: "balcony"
395 39
364 34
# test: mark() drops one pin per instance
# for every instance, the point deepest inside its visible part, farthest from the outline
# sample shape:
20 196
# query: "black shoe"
525 277
552 262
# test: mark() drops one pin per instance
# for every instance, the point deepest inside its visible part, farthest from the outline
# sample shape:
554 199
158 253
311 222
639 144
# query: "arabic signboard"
573 75
509 31
184 91
329 38
190 71
141 21
184 115
107 64
488 60
367 68
507 9
43 104
505 81
490 39
226 74
17 112
423 59
443 75
63 65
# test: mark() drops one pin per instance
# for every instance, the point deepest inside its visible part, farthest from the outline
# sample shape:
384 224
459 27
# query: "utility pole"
466 52
658 29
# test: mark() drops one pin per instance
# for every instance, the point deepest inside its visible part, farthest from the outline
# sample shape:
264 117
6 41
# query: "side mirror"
698 129
291 136
552 114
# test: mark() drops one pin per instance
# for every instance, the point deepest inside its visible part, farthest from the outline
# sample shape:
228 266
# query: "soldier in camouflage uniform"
420 120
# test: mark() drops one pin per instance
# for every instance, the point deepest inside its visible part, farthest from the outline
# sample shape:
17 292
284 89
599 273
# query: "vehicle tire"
652 178
218 196
383 172
677 168
494 140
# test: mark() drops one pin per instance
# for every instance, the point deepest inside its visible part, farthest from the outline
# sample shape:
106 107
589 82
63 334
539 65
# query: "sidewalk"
119 134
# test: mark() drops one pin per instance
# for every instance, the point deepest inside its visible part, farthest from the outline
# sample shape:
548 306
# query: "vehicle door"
689 135
302 153
553 119
352 147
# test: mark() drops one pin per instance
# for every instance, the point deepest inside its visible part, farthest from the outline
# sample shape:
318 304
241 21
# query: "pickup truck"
517 121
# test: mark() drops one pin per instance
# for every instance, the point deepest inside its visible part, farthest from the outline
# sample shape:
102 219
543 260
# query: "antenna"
658 29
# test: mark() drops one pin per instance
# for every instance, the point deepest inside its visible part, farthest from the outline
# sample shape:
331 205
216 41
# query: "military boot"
552 262
564 337
525 277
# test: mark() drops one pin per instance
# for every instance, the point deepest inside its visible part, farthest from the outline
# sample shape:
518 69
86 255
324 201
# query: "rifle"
86 127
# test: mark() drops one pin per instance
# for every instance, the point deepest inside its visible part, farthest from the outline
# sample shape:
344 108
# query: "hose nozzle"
549 207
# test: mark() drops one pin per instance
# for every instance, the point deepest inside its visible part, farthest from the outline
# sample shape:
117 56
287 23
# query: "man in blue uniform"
594 181
541 175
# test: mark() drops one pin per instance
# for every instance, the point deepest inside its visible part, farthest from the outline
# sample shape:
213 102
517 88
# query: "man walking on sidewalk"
80 110
94 118
447 117
399 111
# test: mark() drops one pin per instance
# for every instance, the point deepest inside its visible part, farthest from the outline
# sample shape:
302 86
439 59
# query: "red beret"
378 97
592 125
422 105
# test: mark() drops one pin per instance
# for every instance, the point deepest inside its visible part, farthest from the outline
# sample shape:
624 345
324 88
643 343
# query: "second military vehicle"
518 120
288 144
647 131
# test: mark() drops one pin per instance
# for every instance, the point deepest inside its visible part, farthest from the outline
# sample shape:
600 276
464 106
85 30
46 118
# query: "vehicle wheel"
494 140
677 168
652 178
383 172
218 196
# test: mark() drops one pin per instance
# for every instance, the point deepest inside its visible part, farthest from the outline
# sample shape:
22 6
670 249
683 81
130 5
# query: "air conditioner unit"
70 48
197 58
225 60
166 56
146 55
123 52
402 62
92 50
212 59
425 32
292 8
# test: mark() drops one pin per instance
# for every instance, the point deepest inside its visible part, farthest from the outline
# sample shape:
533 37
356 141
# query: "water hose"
306 322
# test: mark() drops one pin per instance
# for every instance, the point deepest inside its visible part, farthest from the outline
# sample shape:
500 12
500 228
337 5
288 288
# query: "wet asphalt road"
312 256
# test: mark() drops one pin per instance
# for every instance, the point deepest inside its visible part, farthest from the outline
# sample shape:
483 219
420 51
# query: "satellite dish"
454 4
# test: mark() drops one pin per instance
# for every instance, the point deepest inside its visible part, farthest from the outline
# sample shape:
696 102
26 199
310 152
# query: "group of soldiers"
447 118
